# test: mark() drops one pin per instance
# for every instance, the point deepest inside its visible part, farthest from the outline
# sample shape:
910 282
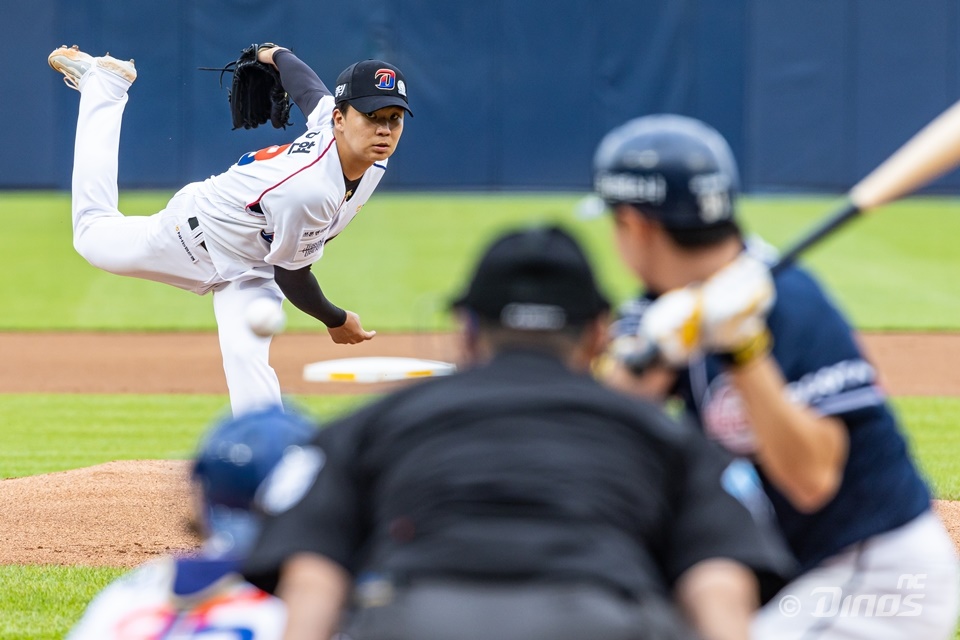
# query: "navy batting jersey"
825 370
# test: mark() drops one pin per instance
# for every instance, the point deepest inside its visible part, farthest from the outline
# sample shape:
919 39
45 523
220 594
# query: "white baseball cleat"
73 64
123 68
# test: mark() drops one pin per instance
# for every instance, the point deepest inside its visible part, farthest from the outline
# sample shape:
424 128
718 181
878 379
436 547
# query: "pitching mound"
116 514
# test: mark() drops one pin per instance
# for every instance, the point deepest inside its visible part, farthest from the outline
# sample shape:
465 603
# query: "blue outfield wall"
508 94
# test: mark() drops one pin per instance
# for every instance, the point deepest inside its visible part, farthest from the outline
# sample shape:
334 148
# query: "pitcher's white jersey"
144 605
228 235
279 205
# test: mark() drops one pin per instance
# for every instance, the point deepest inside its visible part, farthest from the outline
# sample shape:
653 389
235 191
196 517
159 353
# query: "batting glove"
736 301
673 324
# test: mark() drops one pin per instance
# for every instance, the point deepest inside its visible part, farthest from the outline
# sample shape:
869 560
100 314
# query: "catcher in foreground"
255 230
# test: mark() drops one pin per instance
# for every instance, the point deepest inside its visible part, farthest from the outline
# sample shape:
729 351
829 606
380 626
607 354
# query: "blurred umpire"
518 498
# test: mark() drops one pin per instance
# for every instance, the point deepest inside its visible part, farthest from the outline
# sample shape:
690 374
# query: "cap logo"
401 88
339 91
386 79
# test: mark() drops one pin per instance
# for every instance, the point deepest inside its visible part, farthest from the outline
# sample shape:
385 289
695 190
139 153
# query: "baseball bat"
930 153
926 156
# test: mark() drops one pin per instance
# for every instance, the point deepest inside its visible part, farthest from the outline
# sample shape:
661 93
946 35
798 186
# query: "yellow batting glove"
736 301
673 323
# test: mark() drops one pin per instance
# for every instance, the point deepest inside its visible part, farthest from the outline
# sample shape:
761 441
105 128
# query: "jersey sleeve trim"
851 401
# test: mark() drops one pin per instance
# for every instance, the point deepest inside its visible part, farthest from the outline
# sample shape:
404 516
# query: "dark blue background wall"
508 94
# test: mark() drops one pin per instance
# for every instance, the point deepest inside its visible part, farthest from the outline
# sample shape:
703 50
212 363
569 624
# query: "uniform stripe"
850 401
269 189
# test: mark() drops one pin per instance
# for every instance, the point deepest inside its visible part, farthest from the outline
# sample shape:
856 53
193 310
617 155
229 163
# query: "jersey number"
262 154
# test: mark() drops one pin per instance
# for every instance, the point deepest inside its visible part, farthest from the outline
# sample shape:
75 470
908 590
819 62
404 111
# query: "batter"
772 371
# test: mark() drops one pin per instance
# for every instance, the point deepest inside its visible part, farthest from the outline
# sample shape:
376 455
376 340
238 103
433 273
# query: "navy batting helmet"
674 169
234 459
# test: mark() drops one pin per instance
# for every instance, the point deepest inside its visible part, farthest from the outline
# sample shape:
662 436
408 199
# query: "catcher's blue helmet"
674 169
234 459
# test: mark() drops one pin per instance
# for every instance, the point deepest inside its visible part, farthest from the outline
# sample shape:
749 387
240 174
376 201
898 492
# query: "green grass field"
405 255
402 259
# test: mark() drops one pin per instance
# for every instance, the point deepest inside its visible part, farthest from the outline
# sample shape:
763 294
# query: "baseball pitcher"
255 230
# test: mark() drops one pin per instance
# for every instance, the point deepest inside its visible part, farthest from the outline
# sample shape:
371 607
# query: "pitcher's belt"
193 227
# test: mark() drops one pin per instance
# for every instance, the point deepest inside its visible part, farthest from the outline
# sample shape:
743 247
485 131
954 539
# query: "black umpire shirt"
519 469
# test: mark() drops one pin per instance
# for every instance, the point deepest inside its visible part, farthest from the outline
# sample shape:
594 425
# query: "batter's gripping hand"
256 94
736 301
626 344
672 325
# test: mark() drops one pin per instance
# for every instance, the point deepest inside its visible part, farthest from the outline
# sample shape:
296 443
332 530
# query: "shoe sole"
71 62
123 68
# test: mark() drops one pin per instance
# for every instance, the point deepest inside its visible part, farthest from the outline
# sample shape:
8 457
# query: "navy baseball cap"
369 85
536 279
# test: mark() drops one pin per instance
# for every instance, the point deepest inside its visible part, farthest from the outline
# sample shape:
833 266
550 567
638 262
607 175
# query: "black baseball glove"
256 94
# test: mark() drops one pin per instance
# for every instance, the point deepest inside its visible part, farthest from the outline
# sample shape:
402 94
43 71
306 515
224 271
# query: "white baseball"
265 317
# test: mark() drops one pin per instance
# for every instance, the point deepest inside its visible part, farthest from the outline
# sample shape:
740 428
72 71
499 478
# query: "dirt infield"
912 364
122 513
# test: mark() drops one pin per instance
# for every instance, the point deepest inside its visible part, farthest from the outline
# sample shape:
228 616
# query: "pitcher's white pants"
161 247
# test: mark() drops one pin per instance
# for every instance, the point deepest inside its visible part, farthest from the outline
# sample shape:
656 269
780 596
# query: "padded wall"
507 94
